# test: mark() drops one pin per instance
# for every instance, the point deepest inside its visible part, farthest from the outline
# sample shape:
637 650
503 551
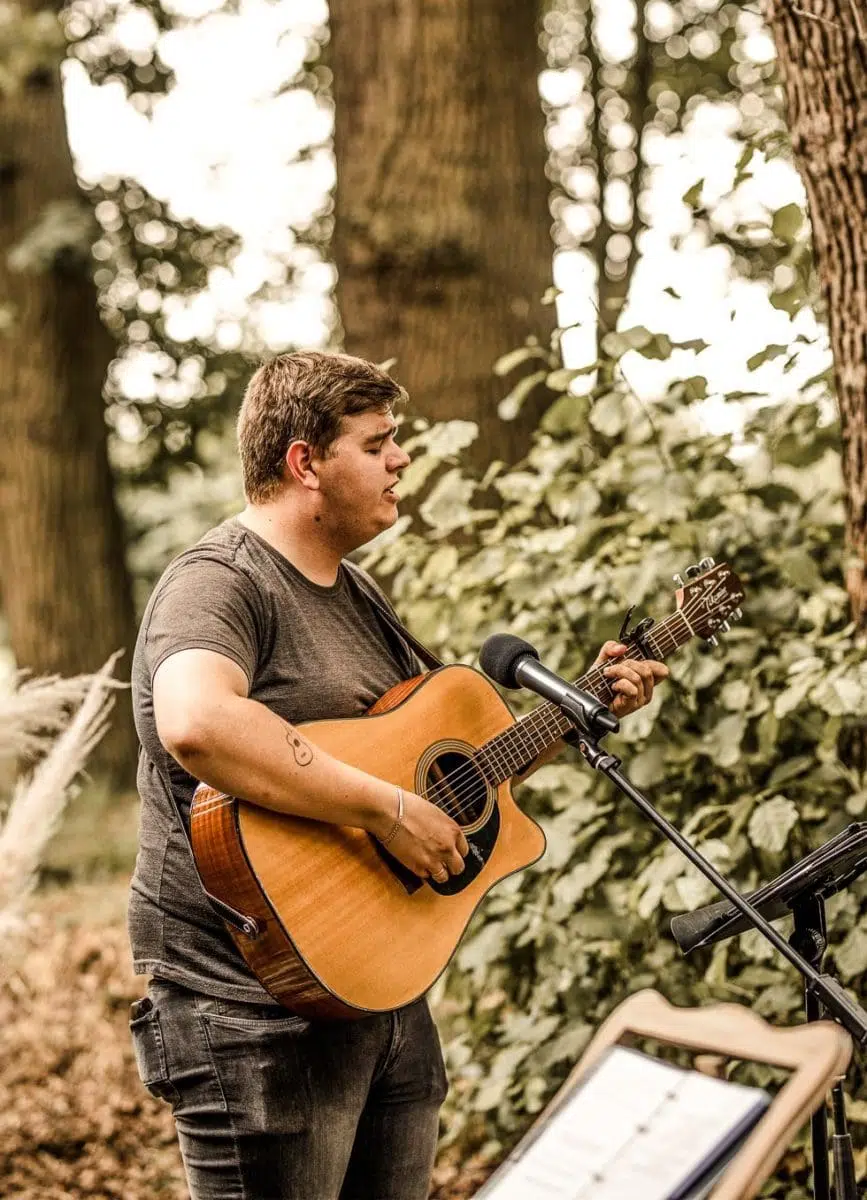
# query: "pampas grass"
34 711
35 717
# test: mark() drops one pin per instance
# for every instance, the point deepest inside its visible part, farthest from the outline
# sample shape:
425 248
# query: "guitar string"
454 783
551 725
542 720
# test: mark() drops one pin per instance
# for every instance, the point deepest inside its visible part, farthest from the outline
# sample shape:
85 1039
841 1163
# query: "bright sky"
222 148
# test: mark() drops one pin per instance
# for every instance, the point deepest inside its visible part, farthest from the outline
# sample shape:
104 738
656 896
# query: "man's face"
357 477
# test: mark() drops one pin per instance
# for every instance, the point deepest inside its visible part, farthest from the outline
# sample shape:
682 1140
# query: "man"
256 628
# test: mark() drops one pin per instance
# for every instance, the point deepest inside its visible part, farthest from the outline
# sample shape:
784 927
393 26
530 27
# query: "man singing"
258 627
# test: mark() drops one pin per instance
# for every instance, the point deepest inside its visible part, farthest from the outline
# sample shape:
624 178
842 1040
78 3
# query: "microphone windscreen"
689 929
499 656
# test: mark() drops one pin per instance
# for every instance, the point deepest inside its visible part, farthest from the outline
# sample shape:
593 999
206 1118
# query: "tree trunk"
615 280
822 51
66 593
443 232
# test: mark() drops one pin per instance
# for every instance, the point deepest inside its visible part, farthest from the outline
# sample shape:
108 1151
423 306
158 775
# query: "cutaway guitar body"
344 929
338 928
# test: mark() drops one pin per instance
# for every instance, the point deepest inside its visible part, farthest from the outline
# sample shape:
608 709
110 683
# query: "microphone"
514 663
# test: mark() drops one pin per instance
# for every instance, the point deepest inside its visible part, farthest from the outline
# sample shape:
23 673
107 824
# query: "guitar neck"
511 752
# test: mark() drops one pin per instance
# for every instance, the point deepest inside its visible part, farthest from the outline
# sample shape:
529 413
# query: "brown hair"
304 395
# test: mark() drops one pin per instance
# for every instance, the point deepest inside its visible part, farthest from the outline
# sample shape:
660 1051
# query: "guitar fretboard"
511 752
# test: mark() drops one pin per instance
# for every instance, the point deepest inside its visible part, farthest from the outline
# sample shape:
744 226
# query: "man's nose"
399 460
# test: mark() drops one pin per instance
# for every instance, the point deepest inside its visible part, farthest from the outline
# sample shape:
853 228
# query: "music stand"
802 891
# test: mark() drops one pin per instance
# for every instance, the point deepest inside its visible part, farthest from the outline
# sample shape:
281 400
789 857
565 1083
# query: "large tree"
65 589
443 232
823 62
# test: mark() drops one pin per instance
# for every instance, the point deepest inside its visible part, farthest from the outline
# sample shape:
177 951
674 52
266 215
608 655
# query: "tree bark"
613 290
66 592
443 231
822 51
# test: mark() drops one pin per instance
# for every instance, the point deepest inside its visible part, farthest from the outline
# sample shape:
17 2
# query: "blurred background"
579 232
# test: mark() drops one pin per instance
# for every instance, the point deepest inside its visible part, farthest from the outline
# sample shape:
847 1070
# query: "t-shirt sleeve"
206 603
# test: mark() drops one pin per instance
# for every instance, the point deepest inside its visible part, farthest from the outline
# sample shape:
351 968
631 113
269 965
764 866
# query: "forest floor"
75 1121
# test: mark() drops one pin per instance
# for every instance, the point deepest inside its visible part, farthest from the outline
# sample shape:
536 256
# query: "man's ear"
301 465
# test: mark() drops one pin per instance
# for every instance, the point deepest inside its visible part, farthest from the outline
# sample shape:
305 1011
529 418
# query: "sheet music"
636 1127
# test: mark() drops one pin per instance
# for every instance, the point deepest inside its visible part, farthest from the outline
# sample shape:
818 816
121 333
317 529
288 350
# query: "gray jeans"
270 1106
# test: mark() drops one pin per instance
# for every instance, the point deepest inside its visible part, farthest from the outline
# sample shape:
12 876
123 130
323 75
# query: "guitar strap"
389 618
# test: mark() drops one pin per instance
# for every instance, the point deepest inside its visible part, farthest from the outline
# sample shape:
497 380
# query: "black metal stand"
823 995
809 938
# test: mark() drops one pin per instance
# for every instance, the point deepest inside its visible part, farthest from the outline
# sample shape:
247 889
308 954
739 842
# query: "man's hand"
429 842
632 682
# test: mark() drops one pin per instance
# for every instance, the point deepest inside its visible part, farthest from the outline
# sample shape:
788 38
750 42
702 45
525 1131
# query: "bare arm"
207 722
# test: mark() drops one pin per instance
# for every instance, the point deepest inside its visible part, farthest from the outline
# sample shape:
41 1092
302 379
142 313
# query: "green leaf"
766 355
692 195
514 358
771 824
695 388
448 505
607 414
851 956
510 405
559 380
659 347
723 742
617 344
669 291
787 221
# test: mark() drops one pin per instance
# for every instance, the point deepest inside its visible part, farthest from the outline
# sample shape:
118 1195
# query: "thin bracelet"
396 827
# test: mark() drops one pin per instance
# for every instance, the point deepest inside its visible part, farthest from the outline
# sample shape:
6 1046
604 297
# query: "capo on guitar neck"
636 636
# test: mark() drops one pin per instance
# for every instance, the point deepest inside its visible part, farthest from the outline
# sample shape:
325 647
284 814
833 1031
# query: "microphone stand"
821 990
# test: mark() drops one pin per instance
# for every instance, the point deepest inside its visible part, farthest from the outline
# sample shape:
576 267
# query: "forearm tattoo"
302 750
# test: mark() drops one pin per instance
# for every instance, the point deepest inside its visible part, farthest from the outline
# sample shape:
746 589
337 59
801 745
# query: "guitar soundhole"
457 786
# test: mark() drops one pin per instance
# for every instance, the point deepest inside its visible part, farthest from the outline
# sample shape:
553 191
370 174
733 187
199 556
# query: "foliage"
740 749
620 80
63 719
185 350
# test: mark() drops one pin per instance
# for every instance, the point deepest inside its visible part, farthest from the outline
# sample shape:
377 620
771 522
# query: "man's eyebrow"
381 435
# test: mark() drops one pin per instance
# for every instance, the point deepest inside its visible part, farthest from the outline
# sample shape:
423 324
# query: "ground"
74 1120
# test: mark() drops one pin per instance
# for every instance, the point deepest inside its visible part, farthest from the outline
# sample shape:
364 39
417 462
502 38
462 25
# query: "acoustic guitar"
329 922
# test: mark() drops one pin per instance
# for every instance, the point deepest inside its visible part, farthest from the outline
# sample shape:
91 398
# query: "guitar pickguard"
449 778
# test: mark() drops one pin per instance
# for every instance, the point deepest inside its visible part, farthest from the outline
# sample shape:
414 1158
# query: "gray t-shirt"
309 652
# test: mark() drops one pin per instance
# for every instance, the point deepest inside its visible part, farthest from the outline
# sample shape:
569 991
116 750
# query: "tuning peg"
724 627
713 641
692 571
738 613
678 580
707 563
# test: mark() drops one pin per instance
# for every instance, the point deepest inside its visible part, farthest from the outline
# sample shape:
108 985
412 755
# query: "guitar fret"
513 750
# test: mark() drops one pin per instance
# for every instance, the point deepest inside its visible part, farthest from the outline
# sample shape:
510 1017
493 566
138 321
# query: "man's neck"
297 539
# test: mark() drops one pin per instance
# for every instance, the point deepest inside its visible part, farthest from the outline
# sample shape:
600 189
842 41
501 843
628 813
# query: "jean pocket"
267 1019
150 1050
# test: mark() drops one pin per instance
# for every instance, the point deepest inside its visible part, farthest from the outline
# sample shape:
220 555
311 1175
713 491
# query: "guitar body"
345 930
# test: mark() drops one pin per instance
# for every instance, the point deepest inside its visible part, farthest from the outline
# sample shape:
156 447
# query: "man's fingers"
453 862
610 650
463 846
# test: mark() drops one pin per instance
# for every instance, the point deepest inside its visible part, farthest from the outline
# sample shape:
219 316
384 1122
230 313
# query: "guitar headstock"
709 598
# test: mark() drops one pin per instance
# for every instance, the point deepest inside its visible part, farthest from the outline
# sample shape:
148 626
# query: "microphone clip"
590 721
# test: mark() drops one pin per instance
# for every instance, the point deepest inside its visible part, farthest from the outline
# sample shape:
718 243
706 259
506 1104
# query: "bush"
739 749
